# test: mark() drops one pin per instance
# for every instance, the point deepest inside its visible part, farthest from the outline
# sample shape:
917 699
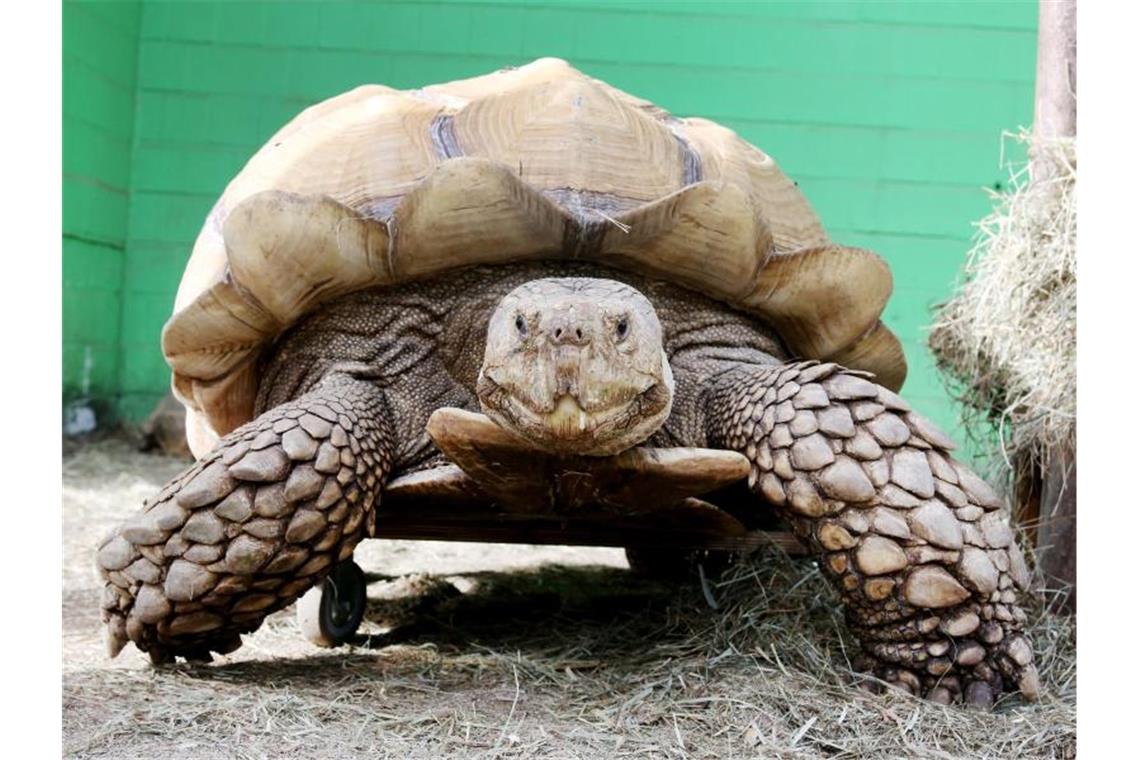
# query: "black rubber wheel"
330 613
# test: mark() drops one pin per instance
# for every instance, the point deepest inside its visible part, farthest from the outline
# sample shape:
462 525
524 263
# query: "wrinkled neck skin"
455 340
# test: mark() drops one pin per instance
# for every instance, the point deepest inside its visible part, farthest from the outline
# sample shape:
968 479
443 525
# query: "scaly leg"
917 545
250 527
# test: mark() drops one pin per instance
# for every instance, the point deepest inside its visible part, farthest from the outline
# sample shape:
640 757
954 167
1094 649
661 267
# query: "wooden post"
1055 115
1057 525
1055 111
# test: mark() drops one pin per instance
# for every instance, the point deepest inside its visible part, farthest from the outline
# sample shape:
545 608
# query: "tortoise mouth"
568 429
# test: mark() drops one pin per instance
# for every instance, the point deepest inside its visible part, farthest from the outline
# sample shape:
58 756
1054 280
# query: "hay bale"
1008 337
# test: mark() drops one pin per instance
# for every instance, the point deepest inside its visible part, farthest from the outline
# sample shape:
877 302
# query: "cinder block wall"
100 47
889 115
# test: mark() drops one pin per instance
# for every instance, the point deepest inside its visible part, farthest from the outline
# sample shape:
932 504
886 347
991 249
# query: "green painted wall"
889 115
100 47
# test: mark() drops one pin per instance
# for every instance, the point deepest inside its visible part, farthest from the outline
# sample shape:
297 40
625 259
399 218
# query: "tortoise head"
577 366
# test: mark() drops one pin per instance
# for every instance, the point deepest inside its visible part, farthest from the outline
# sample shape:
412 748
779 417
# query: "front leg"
922 556
251 526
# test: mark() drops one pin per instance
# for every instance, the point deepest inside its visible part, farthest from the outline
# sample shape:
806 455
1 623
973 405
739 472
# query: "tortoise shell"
380 186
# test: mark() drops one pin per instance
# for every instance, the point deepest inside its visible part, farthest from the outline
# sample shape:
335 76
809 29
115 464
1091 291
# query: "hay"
550 661
1008 338
567 662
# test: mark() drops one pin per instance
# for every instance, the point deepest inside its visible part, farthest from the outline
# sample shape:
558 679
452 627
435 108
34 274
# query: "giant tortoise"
528 306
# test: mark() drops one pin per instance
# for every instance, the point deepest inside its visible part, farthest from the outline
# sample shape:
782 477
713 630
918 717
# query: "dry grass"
1008 337
576 659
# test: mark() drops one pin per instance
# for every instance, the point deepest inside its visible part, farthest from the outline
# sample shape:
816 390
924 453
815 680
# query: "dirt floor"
476 650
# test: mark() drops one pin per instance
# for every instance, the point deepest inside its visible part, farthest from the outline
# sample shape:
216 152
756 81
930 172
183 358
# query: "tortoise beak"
568 417
566 427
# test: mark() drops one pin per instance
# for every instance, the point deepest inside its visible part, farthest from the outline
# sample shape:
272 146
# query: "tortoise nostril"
568 331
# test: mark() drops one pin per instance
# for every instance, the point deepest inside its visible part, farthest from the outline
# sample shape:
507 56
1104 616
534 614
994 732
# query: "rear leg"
916 544
249 528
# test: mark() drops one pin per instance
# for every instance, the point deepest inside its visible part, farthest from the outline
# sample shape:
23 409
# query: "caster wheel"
330 613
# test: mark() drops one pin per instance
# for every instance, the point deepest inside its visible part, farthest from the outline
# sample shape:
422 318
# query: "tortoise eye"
622 328
520 324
